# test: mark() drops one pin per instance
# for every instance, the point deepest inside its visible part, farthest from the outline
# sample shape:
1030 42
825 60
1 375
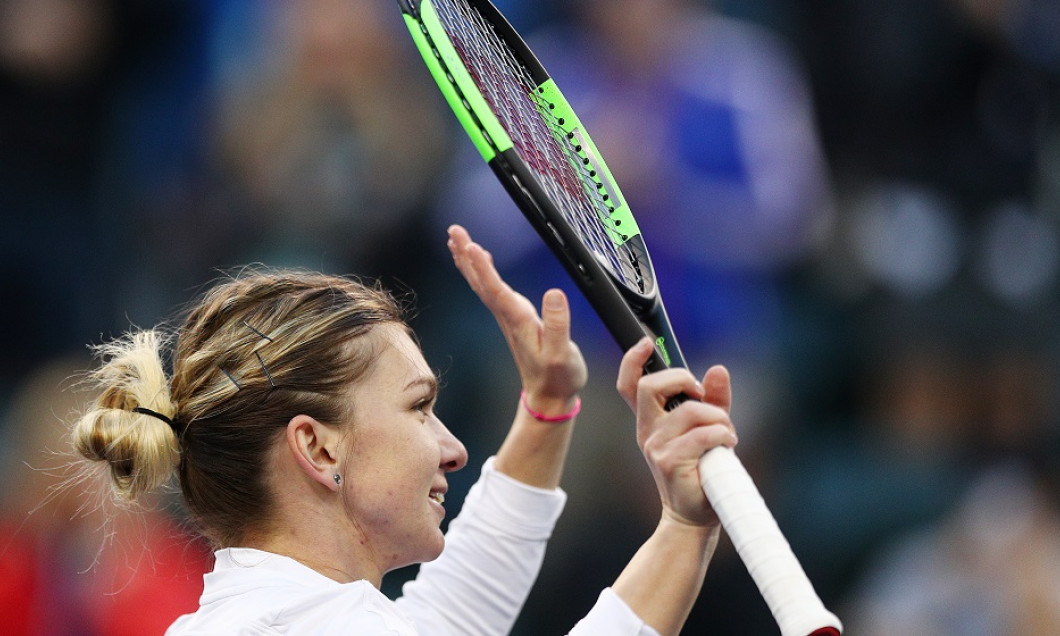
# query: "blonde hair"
141 449
256 350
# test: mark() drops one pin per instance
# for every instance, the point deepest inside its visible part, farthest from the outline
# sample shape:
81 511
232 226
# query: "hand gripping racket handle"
764 550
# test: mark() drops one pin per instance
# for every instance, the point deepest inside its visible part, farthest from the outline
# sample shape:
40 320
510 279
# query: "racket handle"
764 550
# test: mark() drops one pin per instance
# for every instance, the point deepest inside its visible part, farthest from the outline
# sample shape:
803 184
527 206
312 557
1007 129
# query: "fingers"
510 307
673 445
656 389
476 265
686 420
705 438
668 425
708 402
549 362
473 262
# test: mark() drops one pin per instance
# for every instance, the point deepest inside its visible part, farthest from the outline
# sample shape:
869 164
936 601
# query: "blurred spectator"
81 90
53 99
70 562
935 302
932 92
891 457
329 147
992 567
942 390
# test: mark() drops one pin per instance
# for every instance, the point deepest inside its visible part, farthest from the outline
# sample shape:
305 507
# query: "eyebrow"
428 381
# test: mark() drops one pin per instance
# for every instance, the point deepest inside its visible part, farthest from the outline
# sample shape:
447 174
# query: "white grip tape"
762 547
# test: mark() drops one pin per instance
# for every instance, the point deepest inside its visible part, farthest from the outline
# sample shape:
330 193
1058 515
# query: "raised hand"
550 364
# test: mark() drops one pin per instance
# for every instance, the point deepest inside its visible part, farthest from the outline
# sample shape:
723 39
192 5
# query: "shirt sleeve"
612 616
492 556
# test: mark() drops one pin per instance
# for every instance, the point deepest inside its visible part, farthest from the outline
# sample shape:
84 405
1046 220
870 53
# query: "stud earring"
338 479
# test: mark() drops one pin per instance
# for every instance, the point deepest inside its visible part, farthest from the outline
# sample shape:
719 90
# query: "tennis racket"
528 134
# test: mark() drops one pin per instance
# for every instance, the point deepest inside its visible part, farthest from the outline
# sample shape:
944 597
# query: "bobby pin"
251 327
265 369
233 380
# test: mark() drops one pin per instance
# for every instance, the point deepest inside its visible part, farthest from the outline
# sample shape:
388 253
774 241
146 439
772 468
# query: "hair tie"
541 417
154 414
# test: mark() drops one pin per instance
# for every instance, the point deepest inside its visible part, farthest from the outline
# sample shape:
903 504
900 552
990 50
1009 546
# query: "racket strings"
561 166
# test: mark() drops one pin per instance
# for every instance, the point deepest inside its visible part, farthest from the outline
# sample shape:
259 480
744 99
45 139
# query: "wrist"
700 523
552 410
683 532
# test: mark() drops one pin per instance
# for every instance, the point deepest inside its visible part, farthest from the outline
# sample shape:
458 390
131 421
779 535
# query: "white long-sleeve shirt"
477 587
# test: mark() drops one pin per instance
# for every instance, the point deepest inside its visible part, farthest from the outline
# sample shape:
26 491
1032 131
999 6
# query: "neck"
328 557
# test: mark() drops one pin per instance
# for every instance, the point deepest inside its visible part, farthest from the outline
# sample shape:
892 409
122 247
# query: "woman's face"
397 455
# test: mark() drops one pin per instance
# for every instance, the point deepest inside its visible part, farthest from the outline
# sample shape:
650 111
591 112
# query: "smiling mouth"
438 497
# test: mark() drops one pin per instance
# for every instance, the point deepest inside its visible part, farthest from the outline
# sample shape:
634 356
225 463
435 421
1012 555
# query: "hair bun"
130 425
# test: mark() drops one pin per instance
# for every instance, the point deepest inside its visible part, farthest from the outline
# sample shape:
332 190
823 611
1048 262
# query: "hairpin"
233 380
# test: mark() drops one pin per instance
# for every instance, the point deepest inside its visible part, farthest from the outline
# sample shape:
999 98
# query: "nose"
454 454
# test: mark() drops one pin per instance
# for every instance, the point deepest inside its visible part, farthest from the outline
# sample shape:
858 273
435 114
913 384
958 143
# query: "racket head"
528 133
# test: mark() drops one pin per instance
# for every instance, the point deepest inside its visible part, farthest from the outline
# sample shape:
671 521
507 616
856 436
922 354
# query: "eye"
423 395
424 406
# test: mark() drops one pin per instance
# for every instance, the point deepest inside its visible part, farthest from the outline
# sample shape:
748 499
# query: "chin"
436 549
429 551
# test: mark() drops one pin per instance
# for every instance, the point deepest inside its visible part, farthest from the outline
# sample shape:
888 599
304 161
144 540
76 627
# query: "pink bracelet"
541 417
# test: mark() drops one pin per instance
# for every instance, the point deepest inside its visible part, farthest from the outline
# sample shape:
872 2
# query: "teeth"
438 496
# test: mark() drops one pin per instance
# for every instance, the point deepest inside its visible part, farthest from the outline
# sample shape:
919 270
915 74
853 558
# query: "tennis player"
299 419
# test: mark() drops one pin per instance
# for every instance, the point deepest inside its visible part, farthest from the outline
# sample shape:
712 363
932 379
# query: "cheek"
393 475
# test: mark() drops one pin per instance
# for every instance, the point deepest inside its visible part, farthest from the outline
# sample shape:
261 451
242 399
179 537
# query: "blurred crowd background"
854 205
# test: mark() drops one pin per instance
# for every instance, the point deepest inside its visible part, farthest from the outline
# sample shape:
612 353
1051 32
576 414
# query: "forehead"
399 358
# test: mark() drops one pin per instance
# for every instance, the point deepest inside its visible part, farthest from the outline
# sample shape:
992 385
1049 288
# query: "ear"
314 448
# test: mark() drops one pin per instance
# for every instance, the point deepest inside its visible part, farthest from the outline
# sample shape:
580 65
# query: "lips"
437 493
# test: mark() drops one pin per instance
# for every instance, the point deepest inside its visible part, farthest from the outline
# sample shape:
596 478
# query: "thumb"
555 316
717 388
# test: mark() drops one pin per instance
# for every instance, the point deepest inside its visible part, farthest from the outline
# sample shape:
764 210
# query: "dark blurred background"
854 205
